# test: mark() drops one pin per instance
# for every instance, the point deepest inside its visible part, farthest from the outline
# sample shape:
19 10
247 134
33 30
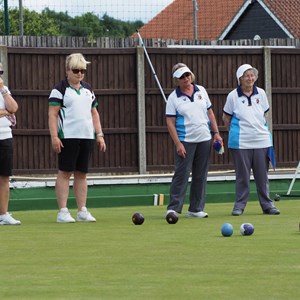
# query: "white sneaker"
85 216
172 211
7 219
64 216
199 214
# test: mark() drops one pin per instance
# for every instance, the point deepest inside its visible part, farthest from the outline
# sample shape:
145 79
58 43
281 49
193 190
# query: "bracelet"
100 134
215 132
4 92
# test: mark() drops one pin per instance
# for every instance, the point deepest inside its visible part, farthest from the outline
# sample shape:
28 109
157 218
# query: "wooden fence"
132 108
110 42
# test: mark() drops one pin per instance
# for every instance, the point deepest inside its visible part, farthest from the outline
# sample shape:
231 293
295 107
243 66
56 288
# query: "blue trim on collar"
240 92
179 93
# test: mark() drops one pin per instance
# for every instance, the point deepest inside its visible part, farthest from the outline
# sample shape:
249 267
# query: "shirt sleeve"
228 107
265 103
207 99
95 102
55 98
170 107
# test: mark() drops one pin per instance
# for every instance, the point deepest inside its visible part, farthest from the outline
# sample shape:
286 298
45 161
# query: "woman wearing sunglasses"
192 126
8 106
74 124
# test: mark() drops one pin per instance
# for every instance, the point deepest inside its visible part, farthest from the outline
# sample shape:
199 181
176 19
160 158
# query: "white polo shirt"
75 117
192 122
248 126
5 129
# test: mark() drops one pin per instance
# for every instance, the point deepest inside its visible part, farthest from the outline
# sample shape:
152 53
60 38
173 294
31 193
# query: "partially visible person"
250 140
192 126
8 107
74 124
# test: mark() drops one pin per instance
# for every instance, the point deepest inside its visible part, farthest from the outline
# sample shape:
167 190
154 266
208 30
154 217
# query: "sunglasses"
1 72
76 71
185 75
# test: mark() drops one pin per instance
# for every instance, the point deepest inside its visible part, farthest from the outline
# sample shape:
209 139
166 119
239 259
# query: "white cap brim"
179 72
241 70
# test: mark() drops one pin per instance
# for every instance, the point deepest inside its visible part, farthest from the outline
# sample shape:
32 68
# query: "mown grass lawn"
115 259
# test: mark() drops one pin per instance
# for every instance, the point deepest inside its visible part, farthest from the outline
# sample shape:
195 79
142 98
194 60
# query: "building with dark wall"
225 20
255 20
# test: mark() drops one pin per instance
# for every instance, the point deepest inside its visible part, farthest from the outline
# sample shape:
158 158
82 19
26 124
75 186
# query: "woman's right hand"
180 150
56 144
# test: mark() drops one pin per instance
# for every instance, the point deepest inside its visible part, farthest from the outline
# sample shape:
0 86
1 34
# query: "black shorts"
75 155
6 157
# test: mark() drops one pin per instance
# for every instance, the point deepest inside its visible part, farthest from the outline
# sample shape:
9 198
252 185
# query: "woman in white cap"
192 126
250 140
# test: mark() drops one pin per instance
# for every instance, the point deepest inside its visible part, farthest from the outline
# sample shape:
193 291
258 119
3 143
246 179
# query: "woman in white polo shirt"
191 123
74 125
244 115
8 107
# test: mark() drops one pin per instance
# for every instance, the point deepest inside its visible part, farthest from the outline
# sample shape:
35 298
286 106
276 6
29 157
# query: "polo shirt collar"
240 92
179 93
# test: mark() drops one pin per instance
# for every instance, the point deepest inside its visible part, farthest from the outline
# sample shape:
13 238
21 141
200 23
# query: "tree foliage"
51 23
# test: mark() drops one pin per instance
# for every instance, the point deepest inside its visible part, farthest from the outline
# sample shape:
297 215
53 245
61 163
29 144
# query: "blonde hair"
176 67
76 61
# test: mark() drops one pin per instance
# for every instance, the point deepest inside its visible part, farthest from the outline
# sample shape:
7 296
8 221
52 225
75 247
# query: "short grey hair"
244 68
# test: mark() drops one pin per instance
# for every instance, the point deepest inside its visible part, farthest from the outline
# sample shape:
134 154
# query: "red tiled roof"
176 20
213 16
288 12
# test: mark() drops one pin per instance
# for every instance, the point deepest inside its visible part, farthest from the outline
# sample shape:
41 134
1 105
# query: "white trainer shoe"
199 214
7 219
85 216
64 216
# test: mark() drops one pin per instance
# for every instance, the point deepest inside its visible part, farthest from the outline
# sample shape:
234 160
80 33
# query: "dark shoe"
237 212
272 211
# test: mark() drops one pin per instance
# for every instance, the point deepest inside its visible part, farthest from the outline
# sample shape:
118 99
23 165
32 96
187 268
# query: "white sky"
130 10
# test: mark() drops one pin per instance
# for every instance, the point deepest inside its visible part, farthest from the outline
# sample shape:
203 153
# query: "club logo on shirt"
198 97
257 100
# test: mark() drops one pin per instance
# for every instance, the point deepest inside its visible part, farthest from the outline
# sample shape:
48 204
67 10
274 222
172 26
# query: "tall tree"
51 23
33 23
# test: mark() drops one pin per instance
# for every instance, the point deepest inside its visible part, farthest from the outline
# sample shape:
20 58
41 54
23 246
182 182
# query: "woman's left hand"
101 143
218 138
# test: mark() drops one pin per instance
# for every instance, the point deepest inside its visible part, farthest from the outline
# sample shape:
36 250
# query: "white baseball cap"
179 72
242 69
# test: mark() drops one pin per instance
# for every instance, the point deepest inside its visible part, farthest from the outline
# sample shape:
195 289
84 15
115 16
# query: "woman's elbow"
13 108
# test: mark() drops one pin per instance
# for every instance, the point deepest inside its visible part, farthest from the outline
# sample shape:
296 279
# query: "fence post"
140 62
268 84
3 59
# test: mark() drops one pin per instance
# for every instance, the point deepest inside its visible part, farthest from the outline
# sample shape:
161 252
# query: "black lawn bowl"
138 218
171 218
